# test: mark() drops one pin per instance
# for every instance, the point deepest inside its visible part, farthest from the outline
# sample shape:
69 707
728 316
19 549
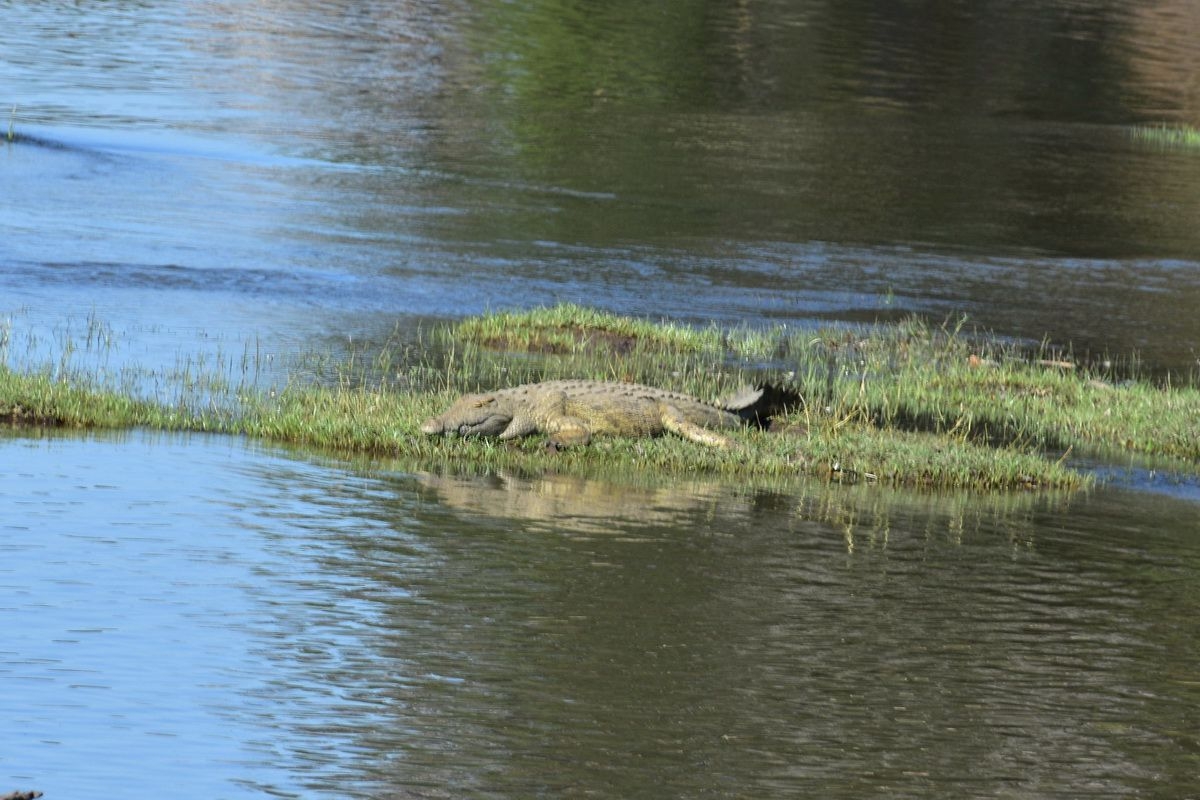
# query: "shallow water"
224 185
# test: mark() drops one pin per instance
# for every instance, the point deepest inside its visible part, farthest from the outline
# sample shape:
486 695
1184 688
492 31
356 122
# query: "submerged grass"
904 404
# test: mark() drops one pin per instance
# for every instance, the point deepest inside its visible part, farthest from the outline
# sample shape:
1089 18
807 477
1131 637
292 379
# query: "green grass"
39 399
568 328
1163 135
979 389
909 404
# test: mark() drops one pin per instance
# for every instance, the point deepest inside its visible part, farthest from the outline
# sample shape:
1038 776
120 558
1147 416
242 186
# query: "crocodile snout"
432 426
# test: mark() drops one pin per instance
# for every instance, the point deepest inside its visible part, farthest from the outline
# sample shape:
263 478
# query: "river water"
206 617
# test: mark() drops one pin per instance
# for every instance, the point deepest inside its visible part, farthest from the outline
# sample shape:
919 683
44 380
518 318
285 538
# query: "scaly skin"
571 412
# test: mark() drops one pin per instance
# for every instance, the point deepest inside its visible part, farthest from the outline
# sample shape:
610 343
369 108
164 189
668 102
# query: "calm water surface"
320 169
210 182
193 615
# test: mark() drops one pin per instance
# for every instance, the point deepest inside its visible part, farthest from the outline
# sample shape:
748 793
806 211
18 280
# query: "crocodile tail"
758 404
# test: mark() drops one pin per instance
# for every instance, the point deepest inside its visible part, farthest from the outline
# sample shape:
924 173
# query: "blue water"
339 169
143 580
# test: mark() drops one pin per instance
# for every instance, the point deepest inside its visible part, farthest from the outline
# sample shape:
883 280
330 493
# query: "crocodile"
570 412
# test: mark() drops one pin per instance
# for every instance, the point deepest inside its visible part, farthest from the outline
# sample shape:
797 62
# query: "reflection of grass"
588 502
908 404
1167 135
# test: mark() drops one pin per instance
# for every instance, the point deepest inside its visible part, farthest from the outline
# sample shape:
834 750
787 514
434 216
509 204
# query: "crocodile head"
471 415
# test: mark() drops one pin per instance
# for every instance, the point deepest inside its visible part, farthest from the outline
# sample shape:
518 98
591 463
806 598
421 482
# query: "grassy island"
905 404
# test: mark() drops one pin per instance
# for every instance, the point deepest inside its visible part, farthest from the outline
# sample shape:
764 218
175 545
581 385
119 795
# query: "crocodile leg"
568 431
520 425
549 415
674 421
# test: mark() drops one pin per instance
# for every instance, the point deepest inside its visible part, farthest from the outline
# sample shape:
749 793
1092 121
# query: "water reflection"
276 625
583 637
590 506
832 642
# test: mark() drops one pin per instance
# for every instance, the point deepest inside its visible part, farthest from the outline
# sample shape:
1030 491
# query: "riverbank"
905 404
